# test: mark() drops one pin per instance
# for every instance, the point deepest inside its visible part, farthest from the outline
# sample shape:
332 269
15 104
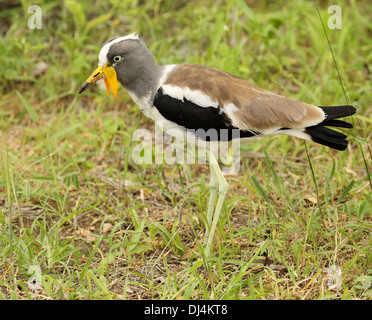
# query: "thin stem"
347 101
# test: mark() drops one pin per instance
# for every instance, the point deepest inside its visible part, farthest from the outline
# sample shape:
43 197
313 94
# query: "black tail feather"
338 112
337 123
329 137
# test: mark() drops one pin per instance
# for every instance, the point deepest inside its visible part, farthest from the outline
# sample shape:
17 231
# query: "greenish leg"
213 187
217 184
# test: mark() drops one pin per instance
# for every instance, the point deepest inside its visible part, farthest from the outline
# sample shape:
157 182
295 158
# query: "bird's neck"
146 82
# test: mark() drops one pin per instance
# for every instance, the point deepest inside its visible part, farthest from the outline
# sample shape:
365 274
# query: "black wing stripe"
207 123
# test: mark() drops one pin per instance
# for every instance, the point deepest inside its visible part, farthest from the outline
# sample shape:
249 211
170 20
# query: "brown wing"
248 106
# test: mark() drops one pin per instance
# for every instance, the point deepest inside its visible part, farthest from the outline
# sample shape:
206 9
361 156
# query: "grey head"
134 64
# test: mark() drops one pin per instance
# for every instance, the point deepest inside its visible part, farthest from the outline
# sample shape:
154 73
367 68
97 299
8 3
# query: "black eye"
117 59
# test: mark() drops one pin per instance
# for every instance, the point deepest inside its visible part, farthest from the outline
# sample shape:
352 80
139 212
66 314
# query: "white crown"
102 57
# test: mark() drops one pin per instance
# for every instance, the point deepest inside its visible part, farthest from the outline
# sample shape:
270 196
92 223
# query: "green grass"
73 202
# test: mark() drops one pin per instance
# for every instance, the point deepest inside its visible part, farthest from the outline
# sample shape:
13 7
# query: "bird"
195 98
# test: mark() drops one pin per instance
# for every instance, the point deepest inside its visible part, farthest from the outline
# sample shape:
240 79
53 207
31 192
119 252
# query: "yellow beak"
110 78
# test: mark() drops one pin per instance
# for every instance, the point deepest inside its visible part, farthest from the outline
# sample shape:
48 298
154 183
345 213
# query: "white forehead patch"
102 57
